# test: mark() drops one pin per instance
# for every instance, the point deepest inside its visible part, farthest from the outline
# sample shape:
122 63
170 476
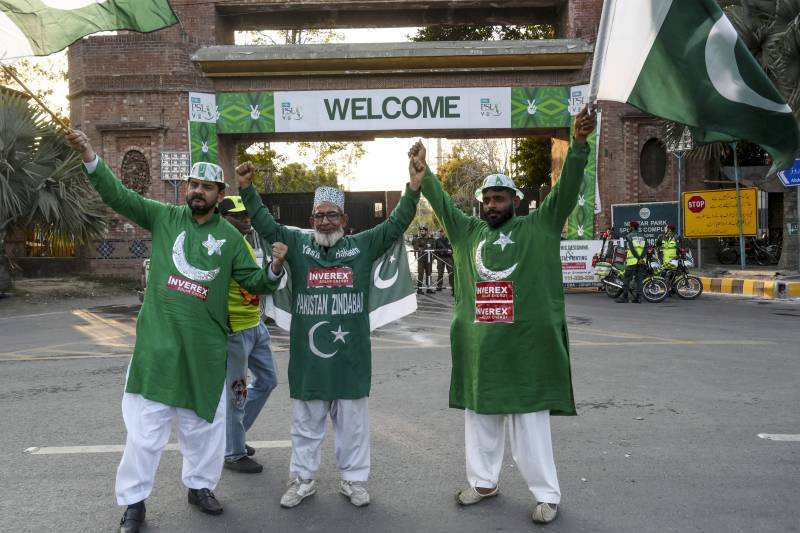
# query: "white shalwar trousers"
149 424
351 437
531 446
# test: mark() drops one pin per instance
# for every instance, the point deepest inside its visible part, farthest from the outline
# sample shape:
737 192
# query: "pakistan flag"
682 60
392 293
42 27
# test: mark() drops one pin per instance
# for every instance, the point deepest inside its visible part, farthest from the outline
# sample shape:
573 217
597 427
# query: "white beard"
328 240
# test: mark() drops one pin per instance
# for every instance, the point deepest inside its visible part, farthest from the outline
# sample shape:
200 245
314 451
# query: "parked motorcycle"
612 273
676 274
757 250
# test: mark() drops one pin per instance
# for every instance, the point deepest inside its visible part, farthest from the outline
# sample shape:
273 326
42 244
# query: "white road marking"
17 317
778 437
119 448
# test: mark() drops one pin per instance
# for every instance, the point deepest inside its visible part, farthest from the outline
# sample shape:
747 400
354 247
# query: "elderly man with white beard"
330 354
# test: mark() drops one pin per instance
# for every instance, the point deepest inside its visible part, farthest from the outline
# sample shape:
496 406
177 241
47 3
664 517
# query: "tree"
296 177
461 174
41 75
267 162
484 33
41 182
532 159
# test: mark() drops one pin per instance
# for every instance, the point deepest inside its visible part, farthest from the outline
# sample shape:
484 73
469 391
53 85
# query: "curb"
751 288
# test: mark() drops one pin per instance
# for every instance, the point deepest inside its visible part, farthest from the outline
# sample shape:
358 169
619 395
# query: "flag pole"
59 121
738 206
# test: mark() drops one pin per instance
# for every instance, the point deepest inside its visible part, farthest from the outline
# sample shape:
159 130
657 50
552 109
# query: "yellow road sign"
713 213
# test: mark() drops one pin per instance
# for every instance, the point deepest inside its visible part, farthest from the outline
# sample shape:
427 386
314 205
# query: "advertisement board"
714 213
576 263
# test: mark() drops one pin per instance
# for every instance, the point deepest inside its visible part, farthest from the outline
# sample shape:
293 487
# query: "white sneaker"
299 489
470 496
544 513
355 491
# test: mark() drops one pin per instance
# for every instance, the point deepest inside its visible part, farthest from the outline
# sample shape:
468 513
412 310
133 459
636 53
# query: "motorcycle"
757 250
612 274
676 274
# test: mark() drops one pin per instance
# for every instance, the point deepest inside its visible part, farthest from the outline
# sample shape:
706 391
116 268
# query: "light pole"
679 148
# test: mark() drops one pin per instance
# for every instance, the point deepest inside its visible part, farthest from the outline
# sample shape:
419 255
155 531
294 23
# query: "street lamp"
679 148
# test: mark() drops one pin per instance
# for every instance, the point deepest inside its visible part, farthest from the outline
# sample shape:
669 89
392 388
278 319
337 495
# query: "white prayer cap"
330 195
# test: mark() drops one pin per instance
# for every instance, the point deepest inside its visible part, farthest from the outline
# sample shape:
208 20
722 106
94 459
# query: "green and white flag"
42 27
682 60
392 292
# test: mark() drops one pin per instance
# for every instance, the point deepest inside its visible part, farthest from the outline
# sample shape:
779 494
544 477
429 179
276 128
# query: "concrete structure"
129 92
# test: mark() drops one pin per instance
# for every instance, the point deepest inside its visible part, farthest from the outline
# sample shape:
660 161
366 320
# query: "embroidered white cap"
206 172
330 195
497 180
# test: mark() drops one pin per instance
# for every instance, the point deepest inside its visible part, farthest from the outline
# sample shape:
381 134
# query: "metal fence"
38 243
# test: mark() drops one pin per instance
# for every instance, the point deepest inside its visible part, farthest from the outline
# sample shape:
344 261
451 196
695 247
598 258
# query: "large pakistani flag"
42 27
392 292
682 60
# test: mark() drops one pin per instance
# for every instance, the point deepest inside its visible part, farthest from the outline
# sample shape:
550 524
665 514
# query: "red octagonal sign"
696 204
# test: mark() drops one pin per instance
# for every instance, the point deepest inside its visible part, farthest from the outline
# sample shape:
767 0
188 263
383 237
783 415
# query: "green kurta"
330 354
181 333
509 335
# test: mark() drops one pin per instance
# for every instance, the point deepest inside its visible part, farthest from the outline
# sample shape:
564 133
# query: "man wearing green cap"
178 366
248 347
509 335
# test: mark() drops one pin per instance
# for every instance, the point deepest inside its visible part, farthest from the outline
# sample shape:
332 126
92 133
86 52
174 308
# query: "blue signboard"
791 176
652 218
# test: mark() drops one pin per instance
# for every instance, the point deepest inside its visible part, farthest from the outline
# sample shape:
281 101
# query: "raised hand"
78 141
416 165
585 124
244 173
278 256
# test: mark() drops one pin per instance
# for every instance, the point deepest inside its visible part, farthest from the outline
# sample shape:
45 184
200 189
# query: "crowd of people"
200 329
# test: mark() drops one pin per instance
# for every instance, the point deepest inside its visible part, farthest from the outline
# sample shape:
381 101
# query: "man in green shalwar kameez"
178 366
509 341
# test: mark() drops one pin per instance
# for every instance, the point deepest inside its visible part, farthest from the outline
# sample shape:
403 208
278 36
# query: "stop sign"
696 204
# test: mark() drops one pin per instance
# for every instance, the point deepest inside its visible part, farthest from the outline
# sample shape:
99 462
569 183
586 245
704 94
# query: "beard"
499 218
327 240
196 208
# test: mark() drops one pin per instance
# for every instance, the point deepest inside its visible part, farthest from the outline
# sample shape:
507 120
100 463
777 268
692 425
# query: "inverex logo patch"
185 286
330 277
494 301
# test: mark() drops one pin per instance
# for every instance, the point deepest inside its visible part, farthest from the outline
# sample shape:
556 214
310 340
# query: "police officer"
444 259
667 244
424 246
635 245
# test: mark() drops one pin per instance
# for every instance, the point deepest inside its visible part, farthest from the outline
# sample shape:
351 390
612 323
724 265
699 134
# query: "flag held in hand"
683 61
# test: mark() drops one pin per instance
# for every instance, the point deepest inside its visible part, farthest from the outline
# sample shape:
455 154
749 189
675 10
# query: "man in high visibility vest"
635 245
667 244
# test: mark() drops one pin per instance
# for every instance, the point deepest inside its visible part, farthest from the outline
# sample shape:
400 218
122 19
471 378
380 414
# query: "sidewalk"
754 281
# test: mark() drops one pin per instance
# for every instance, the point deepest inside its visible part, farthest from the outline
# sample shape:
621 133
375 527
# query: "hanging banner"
580 224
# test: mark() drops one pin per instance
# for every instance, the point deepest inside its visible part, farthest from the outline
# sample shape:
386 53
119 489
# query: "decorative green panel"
246 112
580 224
203 140
540 107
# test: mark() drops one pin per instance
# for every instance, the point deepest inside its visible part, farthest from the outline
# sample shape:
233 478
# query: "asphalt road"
671 400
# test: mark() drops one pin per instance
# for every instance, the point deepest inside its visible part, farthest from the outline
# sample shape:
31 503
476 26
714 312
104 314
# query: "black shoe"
244 465
621 300
430 291
636 301
132 519
250 450
205 500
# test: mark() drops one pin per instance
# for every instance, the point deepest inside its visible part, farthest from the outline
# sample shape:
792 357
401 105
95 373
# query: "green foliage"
461 174
532 159
484 33
267 162
41 181
296 177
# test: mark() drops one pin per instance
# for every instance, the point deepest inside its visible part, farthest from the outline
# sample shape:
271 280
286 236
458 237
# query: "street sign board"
714 213
652 218
791 228
791 176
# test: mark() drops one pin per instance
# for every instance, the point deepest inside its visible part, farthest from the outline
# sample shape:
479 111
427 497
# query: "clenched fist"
278 256
416 164
78 141
585 123
244 173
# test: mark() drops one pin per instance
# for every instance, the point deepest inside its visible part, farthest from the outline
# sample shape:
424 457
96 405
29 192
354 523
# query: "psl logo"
290 113
204 147
489 108
531 106
201 112
255 112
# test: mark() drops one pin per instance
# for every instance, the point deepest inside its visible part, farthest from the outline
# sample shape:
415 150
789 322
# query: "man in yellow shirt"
248 347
